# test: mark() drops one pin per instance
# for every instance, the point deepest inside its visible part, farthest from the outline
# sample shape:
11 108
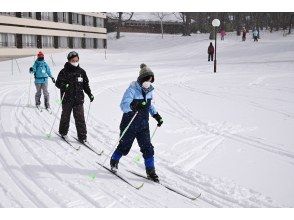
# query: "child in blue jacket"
137 98
41 73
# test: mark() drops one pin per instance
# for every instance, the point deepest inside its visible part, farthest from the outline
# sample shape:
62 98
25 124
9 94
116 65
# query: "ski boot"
49 110
152 175
39 107
113 165
83 141
65 137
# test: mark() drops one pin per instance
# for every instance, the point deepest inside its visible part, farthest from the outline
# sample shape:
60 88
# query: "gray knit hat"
145 73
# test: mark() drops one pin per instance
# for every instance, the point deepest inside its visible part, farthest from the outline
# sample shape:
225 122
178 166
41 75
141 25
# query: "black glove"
91 97
53 80
31 69
158 118
136 106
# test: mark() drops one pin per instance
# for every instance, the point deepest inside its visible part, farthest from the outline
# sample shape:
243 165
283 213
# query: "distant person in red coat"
223 34
210 52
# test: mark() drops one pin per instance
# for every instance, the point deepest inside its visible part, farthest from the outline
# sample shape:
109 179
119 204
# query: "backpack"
41 70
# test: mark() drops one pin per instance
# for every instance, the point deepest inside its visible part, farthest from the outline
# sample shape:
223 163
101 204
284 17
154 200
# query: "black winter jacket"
78 82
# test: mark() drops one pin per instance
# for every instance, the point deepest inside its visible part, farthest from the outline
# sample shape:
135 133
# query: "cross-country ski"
167 187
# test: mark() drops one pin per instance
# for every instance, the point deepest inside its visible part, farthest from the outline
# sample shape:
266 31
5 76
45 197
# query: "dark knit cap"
145 73
72 54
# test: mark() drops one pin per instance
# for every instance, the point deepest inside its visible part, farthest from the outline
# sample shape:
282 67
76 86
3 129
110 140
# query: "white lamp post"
215 24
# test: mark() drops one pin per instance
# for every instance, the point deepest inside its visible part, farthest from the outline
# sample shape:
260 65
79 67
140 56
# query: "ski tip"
196 197
139 187
101 153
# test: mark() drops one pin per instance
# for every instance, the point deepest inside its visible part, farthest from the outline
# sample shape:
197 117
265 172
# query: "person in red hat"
41 72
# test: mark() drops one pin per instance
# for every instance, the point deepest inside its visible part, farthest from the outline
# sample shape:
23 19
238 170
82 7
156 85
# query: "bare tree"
120 17
161 16
291 22
185 17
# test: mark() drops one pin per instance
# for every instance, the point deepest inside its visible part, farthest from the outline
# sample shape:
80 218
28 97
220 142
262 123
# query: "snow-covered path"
227 135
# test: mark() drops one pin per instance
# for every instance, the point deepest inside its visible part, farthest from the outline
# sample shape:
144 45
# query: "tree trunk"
161 25
237 24
188 24
211 35
119 23
290 25
183 24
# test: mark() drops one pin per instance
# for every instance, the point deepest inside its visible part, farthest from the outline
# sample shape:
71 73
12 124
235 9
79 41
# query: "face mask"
40 58
75 64
146 85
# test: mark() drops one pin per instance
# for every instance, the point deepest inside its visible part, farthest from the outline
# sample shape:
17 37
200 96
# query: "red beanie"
40 54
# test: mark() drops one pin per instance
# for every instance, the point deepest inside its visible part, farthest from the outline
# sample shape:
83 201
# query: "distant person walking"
244 32
210 52
41 72
255 35
223 34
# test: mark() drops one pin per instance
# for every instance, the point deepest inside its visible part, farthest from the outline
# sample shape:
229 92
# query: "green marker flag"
92 176
137 159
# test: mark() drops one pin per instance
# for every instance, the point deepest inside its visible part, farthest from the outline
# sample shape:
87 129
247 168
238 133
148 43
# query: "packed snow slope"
227 135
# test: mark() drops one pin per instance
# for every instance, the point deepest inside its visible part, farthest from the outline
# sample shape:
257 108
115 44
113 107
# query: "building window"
28 15
76 18
47 41
89 43
13 14
62 17
29 40
100 22
63 42
89 21
7 40
47 16
100 43
77 42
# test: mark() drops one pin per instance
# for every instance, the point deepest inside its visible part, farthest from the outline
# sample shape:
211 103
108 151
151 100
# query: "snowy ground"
226 135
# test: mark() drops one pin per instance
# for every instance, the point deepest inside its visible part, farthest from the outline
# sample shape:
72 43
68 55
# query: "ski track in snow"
66 187
38 193
183 113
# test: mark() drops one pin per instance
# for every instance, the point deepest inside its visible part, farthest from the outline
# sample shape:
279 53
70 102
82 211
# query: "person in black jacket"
210 52
72 81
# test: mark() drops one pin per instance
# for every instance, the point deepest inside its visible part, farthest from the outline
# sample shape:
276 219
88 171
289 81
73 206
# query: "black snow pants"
210 56
78 113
